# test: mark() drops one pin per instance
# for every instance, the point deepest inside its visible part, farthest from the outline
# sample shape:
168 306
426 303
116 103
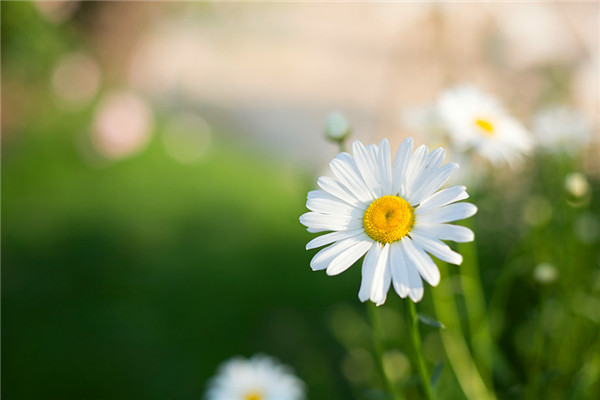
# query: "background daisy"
476 121
560 128
393 213
258 378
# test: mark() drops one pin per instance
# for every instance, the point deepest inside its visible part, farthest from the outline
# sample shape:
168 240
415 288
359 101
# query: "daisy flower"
393 213
561 129
476 121
258 378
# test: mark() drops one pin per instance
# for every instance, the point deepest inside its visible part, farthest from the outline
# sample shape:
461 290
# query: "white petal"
422 262
333 207
429 182
456 233
331 237
399 270
368 271
449 213
321 194
441 250
435 158
323 258
424 176
414 168
441 198
315 220
374 151
334 188
400 166
385 167
415 284
345 260
367 165
382 277
345 170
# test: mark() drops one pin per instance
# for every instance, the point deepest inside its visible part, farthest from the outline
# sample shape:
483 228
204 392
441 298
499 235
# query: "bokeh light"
76 80
123 125
187 138
57 11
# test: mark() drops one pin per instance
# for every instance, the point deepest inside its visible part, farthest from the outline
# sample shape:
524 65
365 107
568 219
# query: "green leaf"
427 320
437 372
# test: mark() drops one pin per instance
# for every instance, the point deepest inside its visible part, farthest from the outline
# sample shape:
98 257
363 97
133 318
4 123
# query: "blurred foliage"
136 279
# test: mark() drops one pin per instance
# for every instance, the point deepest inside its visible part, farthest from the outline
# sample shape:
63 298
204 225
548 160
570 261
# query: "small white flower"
576 184
391 212
337 128
476 121
545 273
258 378
561 129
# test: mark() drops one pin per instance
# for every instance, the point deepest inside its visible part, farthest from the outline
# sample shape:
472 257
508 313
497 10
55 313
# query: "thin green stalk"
413 324
454 342
475 304
378 343
533 388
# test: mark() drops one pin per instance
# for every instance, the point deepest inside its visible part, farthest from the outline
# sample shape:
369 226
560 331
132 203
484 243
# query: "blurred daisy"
476 121
391 212
258 378
423 120
561 129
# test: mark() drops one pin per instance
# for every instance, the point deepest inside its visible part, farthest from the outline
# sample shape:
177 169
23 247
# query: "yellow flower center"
389 218
485 126
253 396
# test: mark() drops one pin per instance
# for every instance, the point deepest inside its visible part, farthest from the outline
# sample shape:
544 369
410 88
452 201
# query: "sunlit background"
156 157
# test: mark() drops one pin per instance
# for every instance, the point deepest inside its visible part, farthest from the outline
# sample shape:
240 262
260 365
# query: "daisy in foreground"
258 378
393 213
477 121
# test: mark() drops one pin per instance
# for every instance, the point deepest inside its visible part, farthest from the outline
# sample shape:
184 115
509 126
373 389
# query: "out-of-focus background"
156 158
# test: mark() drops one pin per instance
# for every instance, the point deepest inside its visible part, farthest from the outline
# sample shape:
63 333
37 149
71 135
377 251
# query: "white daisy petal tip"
459 260
394 212
472 209
416 295
379 302
384 143
459 234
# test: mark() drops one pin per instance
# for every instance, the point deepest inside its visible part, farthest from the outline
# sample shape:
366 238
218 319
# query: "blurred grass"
136 279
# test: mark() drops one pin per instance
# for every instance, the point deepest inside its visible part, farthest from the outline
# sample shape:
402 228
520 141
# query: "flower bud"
337 128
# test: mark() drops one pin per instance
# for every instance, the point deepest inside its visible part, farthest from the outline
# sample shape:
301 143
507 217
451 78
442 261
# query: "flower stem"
413 324
454 342
378 343
479 326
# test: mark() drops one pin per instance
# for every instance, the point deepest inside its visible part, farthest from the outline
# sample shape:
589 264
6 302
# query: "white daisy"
476 121
258 378
393 213
561 129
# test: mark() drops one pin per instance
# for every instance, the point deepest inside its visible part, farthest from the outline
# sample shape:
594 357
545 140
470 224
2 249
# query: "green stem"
479 326
378 343
454 342
413 324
